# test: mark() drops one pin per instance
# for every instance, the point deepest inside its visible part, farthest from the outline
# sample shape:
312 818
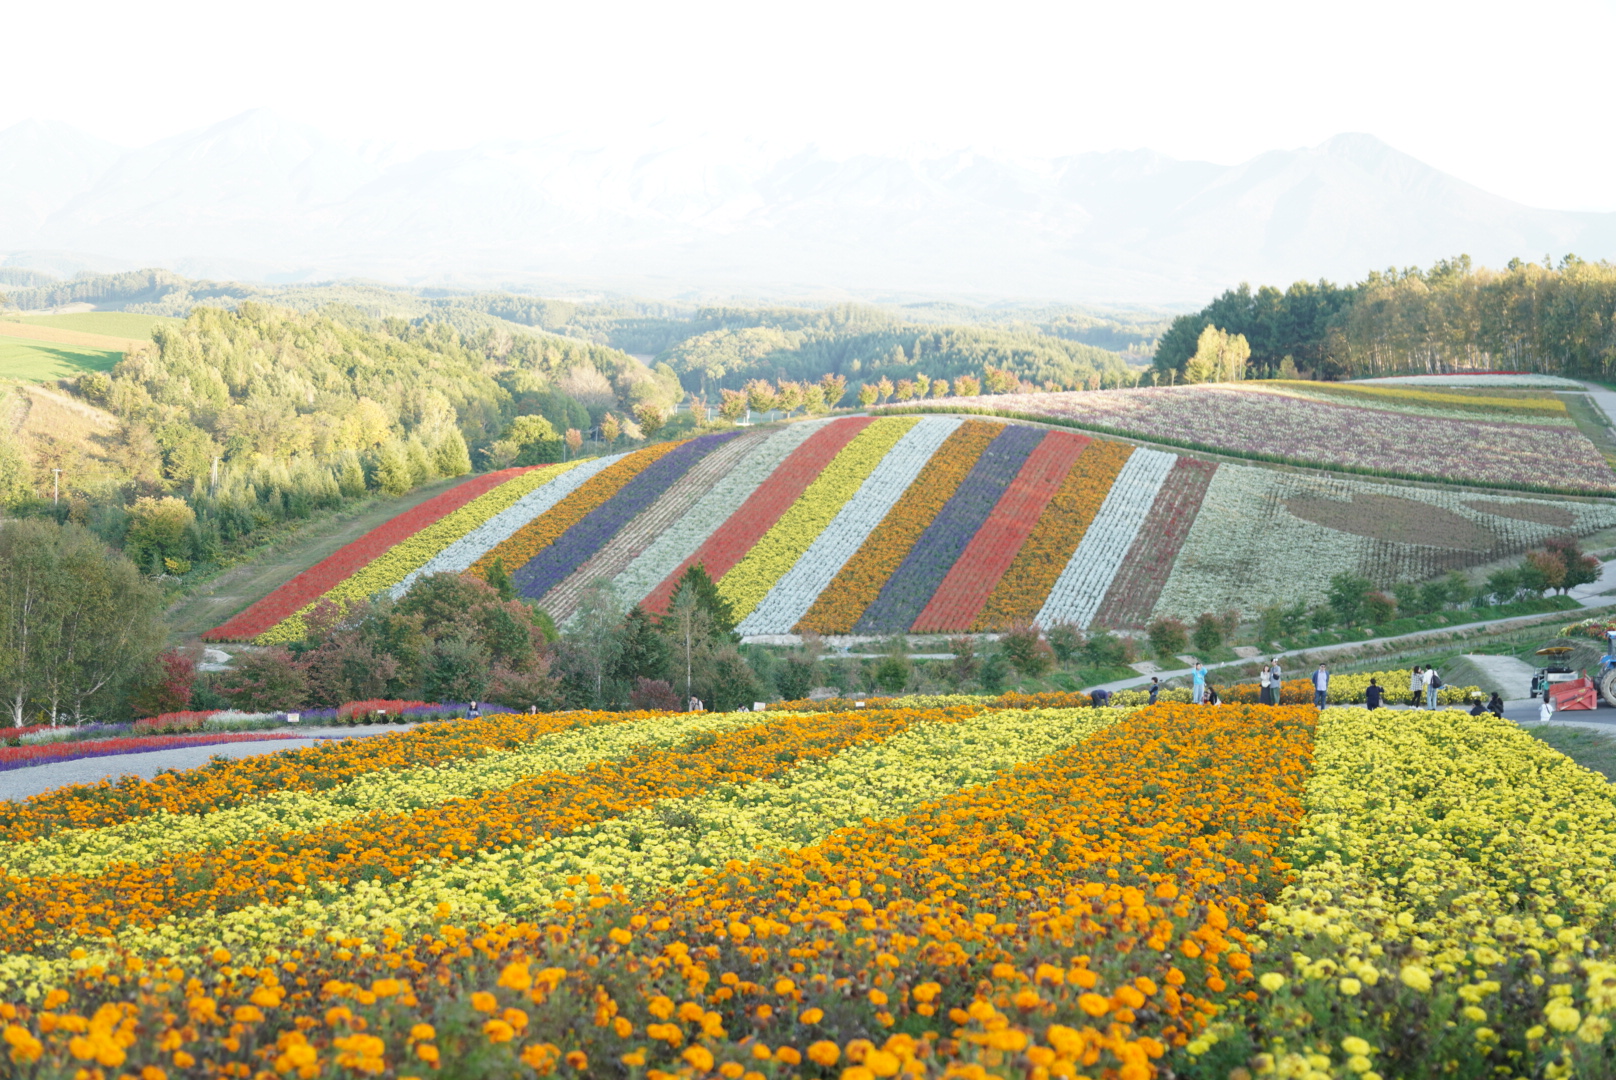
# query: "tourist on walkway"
1276 680
1416 686
1321 686
1199 683
1496 706
1263 684
1155 689
1477 708
1373 694
1433 683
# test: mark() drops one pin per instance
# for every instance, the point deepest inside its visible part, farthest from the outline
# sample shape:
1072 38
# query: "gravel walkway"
18 784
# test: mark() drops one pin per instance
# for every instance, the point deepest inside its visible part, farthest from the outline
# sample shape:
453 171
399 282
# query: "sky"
1511 97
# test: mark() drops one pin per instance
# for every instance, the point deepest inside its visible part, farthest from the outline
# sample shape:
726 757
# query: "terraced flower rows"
879 525
966 891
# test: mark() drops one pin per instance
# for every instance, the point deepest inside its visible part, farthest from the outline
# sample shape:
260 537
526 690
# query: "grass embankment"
42 348
284 553
1591 749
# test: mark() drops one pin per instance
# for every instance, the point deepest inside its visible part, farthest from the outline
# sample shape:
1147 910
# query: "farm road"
19 784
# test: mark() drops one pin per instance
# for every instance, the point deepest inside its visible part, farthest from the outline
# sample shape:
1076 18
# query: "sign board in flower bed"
1178 890
880 525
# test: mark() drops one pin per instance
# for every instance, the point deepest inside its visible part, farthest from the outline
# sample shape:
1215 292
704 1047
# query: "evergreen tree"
705 595
451 457
643 652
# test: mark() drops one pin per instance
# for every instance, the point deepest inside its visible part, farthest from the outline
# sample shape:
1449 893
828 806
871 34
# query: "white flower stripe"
1078 591
1247 550
637 535
795 592
684 537
458 557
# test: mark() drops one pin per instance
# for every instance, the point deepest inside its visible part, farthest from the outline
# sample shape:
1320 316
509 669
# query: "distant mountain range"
259 197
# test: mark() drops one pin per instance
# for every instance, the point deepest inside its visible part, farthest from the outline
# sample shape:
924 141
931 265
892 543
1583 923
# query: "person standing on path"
1496 705
1416 684
1155 689
1262 683
1276 681
1372 695
1433 683
1321 686
1199 682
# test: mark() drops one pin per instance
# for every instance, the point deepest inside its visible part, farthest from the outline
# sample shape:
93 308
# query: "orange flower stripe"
320 863
545 529
857 584
1025 586
316 768
1084 914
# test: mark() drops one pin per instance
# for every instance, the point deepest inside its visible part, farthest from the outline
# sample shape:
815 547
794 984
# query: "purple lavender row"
911 586
572 548
82 750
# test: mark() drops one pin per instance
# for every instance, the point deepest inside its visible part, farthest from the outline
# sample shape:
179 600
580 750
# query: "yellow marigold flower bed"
1025 586
1455 902
1087 912
749 581
857 584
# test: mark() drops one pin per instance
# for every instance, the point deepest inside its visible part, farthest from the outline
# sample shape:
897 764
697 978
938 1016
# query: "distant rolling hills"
257 197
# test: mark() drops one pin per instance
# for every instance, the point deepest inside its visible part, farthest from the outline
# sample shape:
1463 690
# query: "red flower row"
990 552
19 757
347 561
1144 572
757 515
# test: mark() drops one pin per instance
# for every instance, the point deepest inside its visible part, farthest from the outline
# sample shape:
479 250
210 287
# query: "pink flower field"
1268 426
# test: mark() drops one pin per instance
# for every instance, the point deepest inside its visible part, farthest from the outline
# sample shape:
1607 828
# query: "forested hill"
710 348
1555 319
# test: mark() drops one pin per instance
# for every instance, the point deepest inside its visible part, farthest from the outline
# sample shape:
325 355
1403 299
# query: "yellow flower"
1272 981
1350 987
1352 1044
1415 978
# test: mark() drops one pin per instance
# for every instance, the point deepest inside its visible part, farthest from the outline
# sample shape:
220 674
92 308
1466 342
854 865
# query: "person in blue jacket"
1199 679
1321 686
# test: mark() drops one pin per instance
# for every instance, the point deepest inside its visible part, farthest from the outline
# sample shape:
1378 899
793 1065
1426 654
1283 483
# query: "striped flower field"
924 524
963 890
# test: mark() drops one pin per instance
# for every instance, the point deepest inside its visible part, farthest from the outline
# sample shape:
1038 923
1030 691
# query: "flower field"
1412 433
879 525
964 890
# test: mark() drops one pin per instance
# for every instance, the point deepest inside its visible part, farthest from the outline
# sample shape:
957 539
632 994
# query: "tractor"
1572 660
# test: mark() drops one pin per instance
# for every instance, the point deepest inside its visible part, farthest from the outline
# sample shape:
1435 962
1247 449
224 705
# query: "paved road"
18 784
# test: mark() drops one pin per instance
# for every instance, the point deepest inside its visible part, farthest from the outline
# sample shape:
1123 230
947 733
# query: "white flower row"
632 540
1077 593
1247 550
664 844
459 556
683 538
91 851
796 591
1551 382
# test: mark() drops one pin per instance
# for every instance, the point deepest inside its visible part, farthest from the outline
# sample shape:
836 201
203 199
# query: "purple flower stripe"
551 566
74 751
910 587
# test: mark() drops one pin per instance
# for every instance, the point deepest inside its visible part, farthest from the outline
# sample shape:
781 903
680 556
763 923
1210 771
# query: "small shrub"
1208 633
653 695
1379 608
1168 636
1026 650
1065 640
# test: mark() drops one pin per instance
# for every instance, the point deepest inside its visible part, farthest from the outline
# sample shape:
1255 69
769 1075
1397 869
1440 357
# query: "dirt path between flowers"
19 784
242 585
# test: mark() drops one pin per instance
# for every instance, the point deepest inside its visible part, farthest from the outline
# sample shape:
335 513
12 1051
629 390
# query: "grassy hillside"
124 324
45 361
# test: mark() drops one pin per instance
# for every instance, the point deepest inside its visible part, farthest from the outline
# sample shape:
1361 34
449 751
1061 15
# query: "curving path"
18 784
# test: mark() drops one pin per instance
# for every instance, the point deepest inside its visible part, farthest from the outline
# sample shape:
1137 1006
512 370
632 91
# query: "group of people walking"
1423 687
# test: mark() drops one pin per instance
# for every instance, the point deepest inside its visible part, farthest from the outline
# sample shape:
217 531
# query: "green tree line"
1557 319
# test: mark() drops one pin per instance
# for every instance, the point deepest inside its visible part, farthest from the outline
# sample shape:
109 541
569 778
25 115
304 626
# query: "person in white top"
1546 712
1263 683
1432 684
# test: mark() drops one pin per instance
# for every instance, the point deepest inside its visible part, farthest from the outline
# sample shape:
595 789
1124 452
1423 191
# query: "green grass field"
112 323
43 361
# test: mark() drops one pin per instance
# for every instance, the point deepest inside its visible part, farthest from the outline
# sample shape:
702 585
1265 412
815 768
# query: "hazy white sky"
1514 97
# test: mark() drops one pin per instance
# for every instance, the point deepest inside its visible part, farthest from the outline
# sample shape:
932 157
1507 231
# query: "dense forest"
235 420
1555 319
712 347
